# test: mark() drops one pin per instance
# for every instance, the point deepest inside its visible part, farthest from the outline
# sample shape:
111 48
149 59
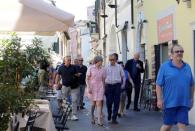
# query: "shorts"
175 115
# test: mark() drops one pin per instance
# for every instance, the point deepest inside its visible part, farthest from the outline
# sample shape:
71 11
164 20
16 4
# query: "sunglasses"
80 60
179 51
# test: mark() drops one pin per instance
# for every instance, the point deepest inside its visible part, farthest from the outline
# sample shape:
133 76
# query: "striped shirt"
114 74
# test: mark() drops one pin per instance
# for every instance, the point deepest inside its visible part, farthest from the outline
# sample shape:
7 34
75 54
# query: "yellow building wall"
183 17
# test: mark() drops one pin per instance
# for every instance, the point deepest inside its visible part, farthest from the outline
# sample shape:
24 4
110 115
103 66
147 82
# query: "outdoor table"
44 119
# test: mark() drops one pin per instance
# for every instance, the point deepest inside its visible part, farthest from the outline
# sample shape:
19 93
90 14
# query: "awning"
33 15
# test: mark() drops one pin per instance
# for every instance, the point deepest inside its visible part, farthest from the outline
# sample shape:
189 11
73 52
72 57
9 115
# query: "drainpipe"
104 17
132 14
116 24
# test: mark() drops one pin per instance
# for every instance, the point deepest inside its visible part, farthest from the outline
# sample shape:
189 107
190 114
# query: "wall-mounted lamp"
115 7
104 16
132 27
112 5
145 21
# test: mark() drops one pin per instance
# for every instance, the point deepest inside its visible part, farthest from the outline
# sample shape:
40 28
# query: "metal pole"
116 24
104 17
132 12
104 39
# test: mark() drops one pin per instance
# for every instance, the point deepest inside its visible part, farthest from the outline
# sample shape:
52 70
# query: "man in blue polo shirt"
175 90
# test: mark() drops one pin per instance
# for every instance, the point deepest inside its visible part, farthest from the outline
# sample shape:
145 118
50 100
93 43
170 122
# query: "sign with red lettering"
165 29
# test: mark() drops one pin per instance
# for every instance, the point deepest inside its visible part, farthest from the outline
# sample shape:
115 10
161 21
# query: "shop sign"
165 29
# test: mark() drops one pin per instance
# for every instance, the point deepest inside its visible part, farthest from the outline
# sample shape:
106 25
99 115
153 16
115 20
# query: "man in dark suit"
135 68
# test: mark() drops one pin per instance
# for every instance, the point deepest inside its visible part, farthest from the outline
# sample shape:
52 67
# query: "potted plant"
17 63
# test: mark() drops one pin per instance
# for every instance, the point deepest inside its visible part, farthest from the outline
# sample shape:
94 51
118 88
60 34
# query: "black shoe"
127 106
114 122
109 117
82 107
136 109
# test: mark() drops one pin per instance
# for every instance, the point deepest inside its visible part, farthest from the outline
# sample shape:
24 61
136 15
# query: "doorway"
194 49
161 55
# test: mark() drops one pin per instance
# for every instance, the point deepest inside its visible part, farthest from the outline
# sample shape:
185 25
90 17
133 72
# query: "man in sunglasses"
175 90
82 70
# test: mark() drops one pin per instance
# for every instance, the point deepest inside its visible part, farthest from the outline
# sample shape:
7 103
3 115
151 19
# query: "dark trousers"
136 97
112 93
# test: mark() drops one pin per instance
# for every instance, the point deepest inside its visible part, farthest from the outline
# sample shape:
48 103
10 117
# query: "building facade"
161 23
115 34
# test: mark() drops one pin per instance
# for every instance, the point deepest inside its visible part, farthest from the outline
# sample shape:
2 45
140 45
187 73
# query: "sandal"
100 124
93 121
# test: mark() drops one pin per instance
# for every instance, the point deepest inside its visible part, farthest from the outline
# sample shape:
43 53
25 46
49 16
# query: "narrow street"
107 50
132 121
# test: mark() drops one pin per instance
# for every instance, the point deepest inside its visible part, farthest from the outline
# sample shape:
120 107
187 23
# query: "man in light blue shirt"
175 90
114 82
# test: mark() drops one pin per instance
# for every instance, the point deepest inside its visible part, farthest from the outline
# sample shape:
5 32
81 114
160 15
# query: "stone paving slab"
132 121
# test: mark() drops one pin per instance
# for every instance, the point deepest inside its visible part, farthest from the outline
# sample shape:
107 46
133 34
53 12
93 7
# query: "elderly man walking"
69 75
175 90
114 82
82 70
135 68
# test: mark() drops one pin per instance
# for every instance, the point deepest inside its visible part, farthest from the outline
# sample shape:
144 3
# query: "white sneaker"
74 118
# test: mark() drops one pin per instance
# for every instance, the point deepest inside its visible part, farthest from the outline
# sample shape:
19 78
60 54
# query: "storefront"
165 30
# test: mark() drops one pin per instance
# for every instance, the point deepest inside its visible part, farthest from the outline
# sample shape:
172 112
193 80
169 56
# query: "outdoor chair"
14 124
63 110
61 123
31 120
16 127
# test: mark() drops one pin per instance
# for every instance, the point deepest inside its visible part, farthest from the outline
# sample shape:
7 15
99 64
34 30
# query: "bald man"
135 68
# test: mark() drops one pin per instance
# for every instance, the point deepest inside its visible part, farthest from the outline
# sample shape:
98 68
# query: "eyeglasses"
111 59
179 51
80 60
